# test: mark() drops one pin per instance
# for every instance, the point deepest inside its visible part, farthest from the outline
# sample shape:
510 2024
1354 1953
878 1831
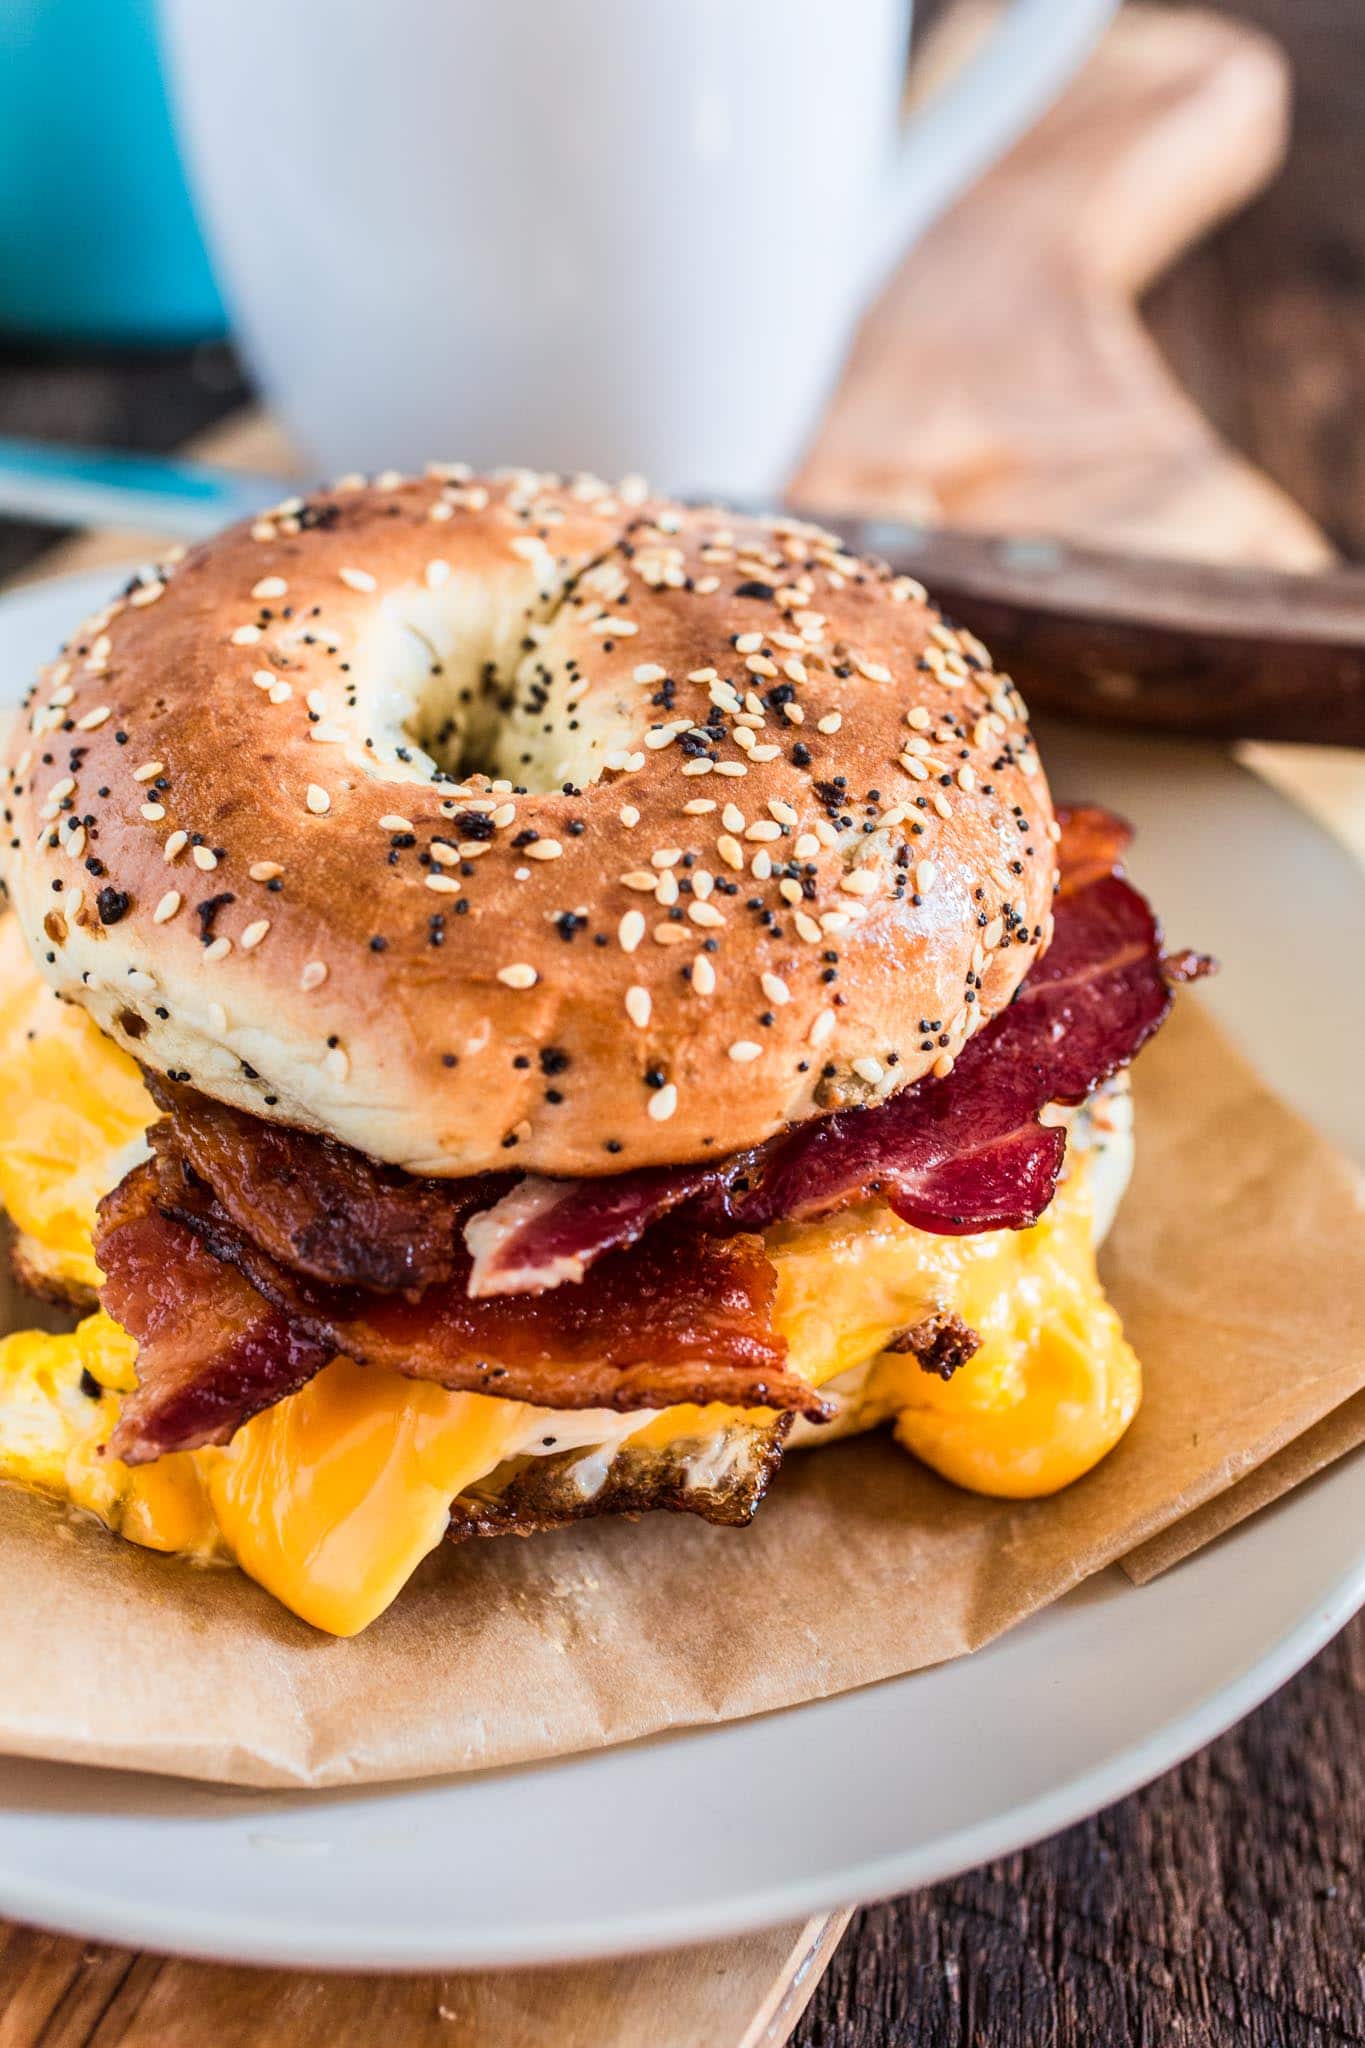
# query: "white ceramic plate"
706 1834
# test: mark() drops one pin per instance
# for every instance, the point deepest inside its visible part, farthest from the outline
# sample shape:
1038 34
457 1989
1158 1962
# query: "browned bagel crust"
805 849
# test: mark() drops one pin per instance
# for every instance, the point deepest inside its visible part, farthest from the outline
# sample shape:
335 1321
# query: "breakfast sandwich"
521 1001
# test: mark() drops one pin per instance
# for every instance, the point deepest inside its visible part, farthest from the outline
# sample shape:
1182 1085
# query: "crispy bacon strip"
967 1153
211 1352
317 1206
223 1330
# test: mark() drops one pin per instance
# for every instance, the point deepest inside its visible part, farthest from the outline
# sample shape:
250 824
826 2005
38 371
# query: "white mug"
619 235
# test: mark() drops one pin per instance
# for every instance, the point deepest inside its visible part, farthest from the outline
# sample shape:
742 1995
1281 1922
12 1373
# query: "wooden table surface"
1223 1905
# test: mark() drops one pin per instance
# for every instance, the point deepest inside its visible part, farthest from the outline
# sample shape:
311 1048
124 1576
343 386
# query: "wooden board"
1004 381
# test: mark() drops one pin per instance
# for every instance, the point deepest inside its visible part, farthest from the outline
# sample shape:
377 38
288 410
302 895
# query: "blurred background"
113 329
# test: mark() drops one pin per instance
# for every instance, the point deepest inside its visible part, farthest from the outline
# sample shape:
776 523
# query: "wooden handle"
1196 648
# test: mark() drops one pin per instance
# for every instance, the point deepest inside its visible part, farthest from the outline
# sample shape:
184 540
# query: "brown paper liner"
1243 1290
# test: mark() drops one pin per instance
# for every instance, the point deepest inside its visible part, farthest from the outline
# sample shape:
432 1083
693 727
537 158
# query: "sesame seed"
775 989
914 767
392 822
663 1102
638 1005
443 855
732 768
254 933
148 771
437 573
146 593
281 692
544 849
831 722
631 930
444 885
869 1070
650 672
966 777
218 949
730 851
705 914
703 976
204 858
167 907
93 719
732 818
518 975
313 976
821 1028
630 817
175 846
808 929
337 1063
245 636
943 1066
743 1050
357 579
153 813
699 806
264 870
270 586
667 891
317 800
61 789
763 828
641 880
918 718
925 872
669 934
748 643
862 882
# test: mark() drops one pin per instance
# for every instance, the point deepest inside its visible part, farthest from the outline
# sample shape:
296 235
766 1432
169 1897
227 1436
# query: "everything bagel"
517 822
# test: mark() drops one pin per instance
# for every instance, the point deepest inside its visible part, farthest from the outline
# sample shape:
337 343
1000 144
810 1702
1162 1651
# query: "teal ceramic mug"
98 240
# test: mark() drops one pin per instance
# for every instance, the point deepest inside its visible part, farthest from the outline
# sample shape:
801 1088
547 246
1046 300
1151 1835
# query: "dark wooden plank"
1220 1908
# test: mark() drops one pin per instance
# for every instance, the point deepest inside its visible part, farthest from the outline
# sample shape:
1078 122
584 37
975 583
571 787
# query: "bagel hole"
480 703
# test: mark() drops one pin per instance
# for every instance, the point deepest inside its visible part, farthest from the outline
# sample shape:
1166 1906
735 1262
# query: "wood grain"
1223 1905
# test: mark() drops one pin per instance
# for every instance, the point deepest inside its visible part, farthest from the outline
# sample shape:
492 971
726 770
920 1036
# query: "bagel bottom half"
996 1358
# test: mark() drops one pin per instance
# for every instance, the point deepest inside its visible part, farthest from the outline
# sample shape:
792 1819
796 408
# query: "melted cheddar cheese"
331 1498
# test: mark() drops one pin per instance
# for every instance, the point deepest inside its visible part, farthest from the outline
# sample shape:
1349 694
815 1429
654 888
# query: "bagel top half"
505 822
